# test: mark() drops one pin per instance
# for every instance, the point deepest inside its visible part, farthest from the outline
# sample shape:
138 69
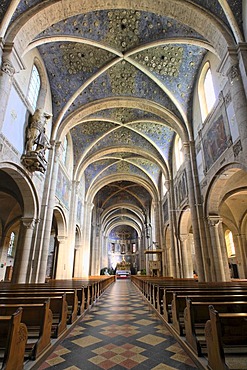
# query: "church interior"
123 148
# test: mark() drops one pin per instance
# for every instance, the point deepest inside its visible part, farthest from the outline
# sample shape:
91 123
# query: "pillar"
47 211
241 254
194 216
171 206
62 259
23 251
85 252
220 259
187 265
72 227
200 214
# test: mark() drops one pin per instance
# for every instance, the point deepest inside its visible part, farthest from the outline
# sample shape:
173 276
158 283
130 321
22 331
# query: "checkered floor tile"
120 332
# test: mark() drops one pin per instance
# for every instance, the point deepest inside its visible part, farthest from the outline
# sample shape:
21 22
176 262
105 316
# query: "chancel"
123 172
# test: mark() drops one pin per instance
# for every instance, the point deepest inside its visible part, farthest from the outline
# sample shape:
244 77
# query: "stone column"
47 211
173 268
219 253
224 250
62 259
85 260
194 215
23 251
104 255
241 254
72 227
187 265
200 214
211 254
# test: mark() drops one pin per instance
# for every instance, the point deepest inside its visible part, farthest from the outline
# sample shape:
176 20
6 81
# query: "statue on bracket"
36 142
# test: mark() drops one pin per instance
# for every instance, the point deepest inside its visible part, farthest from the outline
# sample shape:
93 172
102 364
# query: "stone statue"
36 142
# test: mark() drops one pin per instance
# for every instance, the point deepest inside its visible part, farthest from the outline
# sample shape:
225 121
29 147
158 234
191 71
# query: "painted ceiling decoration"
121 84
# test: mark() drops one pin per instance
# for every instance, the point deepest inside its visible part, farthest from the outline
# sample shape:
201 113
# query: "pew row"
12 341
38 321
226 338
196 315
180 302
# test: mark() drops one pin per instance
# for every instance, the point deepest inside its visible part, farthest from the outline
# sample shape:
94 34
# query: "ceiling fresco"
127 66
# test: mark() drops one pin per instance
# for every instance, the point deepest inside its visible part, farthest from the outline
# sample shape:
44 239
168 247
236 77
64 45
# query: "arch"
83 112
29 195
103 154
214 195
109 179
62 227
39 17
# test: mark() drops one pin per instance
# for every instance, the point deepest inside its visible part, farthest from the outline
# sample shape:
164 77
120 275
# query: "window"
11 245
34 87
206 92
179 155
229 244
65 149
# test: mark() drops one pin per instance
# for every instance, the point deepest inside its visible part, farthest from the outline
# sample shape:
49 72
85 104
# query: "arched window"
65 150
206 92
229 244
179 155
11 248
34 87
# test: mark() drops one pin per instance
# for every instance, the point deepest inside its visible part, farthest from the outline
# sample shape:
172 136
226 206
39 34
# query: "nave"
121 331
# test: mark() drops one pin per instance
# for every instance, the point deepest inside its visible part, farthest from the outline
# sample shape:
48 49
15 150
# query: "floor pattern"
120 332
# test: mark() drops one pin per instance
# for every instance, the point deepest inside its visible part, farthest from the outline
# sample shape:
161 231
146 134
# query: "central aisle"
120 332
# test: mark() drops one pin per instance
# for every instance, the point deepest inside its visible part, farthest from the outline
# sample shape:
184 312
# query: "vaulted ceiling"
122 81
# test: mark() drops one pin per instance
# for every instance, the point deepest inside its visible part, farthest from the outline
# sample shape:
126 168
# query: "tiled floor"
120 332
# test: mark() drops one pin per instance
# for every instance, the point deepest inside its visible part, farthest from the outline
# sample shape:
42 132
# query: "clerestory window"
34 87
206 92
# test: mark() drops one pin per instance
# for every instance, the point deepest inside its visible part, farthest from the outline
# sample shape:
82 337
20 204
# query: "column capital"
183 237
168 184
7 67
11 61
230 59
233 73
214 220
61 239
29 222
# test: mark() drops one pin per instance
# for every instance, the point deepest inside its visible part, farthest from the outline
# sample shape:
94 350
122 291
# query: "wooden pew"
57 305
226 338
171 293
38 321
12 341
159 292
196 315
71 298
179 303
